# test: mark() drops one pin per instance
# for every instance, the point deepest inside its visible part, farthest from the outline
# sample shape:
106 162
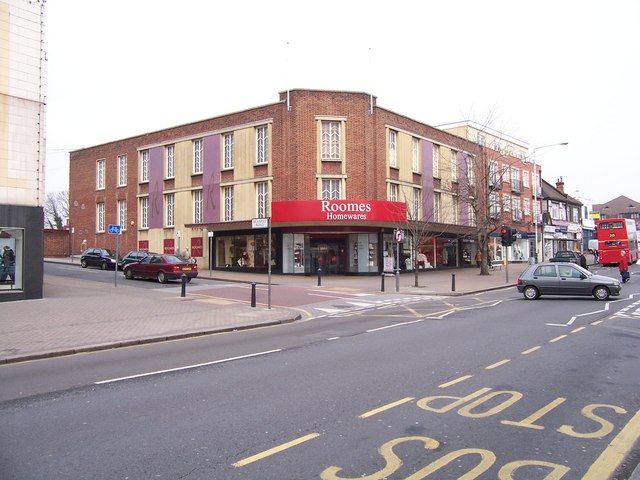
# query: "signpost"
398 233
265 223
115 230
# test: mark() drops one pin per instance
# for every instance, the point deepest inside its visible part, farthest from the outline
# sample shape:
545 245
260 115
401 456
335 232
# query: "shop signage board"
345 211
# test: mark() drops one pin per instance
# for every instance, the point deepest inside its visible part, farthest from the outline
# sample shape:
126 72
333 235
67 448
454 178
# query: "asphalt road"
492 385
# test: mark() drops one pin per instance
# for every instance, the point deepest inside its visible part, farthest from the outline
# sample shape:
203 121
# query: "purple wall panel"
156 184
427 180
211 178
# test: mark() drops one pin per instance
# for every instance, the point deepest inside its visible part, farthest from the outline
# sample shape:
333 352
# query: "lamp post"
536 177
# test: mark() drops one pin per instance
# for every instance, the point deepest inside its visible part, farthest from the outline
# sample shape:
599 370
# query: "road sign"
114 229
399 235
259 223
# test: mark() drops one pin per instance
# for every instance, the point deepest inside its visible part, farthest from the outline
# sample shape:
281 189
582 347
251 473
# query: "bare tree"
481 186
56 209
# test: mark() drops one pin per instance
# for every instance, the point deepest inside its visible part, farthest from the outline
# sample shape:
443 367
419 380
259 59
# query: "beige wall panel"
244 201
245 153
183 164
405 157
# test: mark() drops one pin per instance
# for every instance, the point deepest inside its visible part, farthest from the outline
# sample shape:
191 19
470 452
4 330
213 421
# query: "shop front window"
243 251
11 258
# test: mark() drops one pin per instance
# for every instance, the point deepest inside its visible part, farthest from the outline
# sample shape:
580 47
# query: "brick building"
335 173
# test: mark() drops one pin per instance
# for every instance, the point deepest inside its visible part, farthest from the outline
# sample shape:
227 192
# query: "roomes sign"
338 211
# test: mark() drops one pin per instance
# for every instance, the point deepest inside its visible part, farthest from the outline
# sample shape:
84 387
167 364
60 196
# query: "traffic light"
505 233
514 236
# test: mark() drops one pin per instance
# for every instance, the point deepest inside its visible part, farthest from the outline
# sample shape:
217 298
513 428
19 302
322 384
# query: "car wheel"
83 263
162 278
601 293
128 274
103 265
530 293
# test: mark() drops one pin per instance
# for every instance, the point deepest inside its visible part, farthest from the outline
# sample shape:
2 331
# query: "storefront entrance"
329 254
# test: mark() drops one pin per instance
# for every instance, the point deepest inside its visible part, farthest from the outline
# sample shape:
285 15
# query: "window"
526 206
330 148
471 214
546 271
197 206
228 151
197 156
100 175
471 178
122 214
144 212
482 140
100 217
262 145
517 213
415 214
331 189
393 155
262 199
454 166
122 170
416 155
393 192
227 198
454 210
436 206
525 179
169 203
171 161
505 172
144 166
494 205
506 203
515 179
436 161
496 146
494 175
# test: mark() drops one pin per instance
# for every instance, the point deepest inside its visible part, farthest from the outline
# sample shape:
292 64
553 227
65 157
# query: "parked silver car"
565 279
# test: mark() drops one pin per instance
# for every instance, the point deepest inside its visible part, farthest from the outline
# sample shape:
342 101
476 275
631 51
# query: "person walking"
478 258
623 266
583 260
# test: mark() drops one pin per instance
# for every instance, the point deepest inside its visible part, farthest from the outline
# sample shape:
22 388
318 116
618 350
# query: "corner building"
335 174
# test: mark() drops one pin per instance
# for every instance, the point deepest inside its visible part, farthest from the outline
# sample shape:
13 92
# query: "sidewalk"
76 316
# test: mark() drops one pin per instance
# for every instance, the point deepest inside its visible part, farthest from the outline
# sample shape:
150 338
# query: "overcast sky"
542 71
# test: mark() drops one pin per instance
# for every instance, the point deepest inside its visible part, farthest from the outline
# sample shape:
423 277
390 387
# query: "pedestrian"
583 261
623 266
8 265
478 258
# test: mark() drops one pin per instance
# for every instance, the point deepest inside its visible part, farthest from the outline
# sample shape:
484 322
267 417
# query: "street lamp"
536 177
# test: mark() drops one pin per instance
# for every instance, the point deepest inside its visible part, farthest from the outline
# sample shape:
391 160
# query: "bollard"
319 277
382 282
183 279
453 282
253 294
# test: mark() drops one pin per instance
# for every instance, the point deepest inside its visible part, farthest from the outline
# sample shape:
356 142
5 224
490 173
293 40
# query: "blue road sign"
114 229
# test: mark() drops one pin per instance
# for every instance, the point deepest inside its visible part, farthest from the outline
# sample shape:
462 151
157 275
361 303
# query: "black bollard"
319 277
183 279
382 282
253 294
453 282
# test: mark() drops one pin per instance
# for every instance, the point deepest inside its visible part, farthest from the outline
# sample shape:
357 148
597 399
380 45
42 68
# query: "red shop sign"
338 211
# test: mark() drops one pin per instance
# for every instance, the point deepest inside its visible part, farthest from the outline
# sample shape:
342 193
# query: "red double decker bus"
615 235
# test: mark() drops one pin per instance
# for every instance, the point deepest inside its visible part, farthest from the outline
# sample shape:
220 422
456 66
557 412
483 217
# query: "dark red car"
162 268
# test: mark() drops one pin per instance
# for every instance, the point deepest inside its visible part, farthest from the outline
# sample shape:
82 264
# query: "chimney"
560 185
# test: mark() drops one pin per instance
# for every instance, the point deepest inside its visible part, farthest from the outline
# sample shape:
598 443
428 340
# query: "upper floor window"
227 199
197 156
122 214
436 161
415 214
144 212
525 179
416 155
197 206
496 146
262 199
331 143
228 151
393 154
436 206
393 192
171 161
517 213
454 210
454 166
169 203
515 179
494 174
144 166
471 178
100 217
505 172
331 189
100 175
122 170
494 205
526 206
482 140
506 203
262 144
